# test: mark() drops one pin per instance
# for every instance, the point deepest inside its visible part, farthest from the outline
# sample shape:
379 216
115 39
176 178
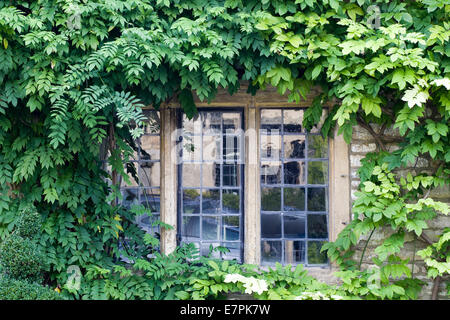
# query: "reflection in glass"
231 122
191 174
294 172
294 199
211 148
232 149
230 228
191 227
270 199
211 201
192 148
294 226
271 146
271 119
293 119
294 146
317 172
317 226
314 254
230 201
131 170
191 201
211 122
210 228
150 198
294 252
317 147
192 126
149 173
271 172
150 147
231 175
271 251
210 175
235 251
270 225
130 197
316 199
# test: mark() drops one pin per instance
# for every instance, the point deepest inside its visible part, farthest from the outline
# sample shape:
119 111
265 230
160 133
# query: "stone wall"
362 143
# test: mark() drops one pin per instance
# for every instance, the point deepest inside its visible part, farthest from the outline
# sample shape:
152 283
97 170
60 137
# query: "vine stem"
365 247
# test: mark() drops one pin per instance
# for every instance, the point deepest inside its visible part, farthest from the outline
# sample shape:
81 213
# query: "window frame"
283 185
241 188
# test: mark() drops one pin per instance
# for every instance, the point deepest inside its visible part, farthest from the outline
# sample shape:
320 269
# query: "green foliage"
74 76
20 258
21 262
437 257
13 289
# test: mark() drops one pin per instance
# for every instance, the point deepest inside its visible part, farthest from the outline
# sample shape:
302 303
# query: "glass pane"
192 148
147 223
316 199
293 120
318 172
210 175
129 197
235 251
294 147
210 228
314 254
232 149
211 201
230 228
294 252
150 198
153 123
192 126
150 148
149 173
231 201
211 122
270 252
294 199
191 201
317 147
271 172
211 148
131 171
231 175
270 225
191 174
191 228
271 146
270 199
294 226
231 122
271 119
294 172
317 226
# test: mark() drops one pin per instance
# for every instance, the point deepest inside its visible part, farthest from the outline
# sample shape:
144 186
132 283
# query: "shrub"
13 289
20 258
21 262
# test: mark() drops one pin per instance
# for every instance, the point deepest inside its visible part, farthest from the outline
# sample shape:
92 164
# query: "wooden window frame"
339 168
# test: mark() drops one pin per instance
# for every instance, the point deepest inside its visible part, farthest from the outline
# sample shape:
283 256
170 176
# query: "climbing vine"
75 74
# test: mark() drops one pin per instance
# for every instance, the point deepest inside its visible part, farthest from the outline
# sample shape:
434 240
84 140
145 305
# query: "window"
144 173
210 182
294 189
